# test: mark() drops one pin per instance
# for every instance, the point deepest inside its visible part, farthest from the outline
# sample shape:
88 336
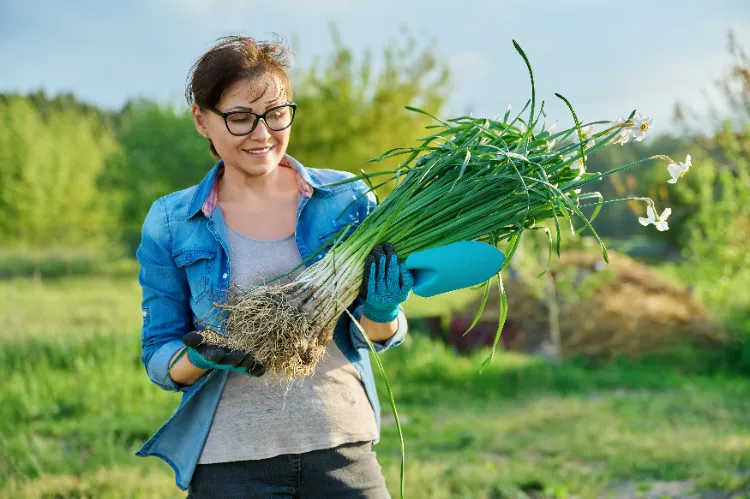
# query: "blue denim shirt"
184 269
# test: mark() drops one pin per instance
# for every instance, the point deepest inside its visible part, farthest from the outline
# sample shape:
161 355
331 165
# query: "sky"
607 58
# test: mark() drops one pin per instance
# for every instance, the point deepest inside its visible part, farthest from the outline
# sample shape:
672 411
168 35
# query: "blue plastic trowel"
453 266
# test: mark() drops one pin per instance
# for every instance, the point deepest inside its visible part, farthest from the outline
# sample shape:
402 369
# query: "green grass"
562 427
443 305
55 263
68 307
77 404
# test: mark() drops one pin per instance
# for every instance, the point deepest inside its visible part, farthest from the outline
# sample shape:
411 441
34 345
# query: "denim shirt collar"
307 181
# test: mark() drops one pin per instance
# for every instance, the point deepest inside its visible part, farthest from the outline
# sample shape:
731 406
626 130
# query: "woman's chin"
259 166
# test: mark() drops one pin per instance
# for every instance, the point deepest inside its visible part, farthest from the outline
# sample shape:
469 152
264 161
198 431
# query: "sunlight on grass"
108 483
77 404
441 305
66 306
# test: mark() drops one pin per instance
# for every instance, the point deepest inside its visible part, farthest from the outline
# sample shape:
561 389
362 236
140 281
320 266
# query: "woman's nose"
261 131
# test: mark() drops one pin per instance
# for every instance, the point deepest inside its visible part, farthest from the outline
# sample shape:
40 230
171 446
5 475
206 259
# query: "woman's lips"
257 152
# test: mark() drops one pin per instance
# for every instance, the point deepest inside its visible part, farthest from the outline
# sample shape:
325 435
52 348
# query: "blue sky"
608 58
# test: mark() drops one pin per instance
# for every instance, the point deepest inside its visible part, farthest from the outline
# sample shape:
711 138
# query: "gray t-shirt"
258 418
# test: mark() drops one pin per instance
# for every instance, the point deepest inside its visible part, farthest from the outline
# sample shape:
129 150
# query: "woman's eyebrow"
271 104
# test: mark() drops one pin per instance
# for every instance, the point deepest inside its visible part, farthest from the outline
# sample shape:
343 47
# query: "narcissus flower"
678 170
659 222
641 126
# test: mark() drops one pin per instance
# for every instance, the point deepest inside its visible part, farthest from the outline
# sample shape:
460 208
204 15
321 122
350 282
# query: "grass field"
77 404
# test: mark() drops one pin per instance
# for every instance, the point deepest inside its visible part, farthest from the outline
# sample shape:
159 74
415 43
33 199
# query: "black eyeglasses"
244 122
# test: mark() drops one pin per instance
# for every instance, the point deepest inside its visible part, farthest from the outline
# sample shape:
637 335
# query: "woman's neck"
235 186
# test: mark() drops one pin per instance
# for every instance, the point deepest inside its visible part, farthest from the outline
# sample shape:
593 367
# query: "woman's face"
259 152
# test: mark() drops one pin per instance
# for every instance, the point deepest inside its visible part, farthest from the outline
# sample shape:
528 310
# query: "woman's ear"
199 119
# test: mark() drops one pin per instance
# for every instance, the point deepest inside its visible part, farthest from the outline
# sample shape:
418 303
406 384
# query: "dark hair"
231 59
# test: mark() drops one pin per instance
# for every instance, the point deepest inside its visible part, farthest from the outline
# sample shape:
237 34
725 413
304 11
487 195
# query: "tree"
718 190
350 113
163 154
49 164
719 228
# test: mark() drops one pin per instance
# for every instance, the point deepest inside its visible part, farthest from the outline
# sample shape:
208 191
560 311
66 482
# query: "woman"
259 213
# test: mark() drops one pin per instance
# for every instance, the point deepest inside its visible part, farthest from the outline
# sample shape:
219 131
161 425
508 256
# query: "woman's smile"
258 152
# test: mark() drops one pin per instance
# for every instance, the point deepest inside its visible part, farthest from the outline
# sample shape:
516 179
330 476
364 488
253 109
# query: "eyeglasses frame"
258 117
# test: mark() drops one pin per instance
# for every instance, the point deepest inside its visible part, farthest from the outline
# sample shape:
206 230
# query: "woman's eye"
239 118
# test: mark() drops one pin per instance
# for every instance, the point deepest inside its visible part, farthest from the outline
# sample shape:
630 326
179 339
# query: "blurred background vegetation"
629 378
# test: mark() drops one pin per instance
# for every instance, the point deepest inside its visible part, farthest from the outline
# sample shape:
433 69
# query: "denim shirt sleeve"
366 205
166 298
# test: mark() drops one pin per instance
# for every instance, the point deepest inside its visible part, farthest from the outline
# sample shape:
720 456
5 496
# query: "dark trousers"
348 471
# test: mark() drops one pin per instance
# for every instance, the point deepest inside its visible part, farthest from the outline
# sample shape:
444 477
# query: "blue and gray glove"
386 284
205 356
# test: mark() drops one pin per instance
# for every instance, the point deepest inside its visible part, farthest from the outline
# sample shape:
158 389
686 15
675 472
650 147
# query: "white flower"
578 166
551 142
641 126
588 132
551 128
660 222
677 170
624 135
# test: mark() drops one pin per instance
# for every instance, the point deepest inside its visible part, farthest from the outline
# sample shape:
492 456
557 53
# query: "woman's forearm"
184 372
379 332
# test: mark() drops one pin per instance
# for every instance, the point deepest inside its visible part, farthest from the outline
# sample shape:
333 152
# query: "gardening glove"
205 356
386 284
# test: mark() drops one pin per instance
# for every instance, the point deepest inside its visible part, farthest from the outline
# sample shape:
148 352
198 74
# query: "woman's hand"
386 284
205 356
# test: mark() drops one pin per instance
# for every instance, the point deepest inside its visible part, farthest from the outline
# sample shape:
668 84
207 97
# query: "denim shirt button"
224 276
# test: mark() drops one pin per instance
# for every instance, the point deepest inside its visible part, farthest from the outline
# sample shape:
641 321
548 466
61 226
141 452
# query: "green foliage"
67 101
56 263
163 153
350 113
716 198
49 165
719 223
